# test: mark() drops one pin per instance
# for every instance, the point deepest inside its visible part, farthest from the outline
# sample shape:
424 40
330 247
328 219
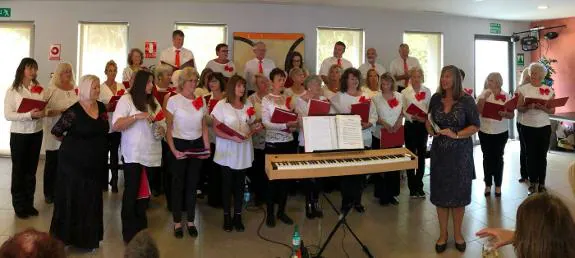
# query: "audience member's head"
142 246
32 244
545 228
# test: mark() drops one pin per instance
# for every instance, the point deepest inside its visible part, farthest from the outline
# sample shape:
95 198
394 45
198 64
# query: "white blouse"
492 126
138 143
408 95
341 104
106 94
227 70
230 153
386 112
274 132
21 122
289 93
127 74
535 117
328 93
302 109
58 99
368 92
259 138
187 119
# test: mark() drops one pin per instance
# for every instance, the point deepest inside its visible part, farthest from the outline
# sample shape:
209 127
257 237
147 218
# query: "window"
353 39
17 41
100 43
428 49
202 40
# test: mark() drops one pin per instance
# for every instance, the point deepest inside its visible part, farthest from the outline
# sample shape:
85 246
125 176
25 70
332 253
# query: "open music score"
341 163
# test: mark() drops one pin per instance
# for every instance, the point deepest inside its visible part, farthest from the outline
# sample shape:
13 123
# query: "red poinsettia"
420 96
363 99
121 92
36 89
501 97
544 91
159 116
392 102
198 103
251 111
228 68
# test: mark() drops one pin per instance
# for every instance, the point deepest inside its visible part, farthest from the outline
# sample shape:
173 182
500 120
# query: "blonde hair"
110 63
161 70
524 77
367 77
415 70
539 67
85 86
295 71
495 77
188 74
389 78
58 73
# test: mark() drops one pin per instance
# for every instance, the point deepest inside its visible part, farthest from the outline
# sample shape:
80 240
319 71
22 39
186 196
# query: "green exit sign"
495 28
5 12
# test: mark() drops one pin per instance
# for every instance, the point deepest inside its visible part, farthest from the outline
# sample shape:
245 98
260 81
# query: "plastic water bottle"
246 195
296 242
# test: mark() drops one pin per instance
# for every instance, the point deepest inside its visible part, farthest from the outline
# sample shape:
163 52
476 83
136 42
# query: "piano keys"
342 163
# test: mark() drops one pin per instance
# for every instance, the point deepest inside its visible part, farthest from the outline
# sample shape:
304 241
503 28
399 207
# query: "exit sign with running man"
5 12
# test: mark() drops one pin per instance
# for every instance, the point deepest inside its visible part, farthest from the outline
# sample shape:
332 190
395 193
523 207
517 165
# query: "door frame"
510 60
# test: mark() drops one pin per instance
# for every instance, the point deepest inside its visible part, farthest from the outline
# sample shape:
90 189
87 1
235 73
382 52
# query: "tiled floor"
407 230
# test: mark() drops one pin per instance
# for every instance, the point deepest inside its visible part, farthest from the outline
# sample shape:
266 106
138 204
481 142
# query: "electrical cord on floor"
257 209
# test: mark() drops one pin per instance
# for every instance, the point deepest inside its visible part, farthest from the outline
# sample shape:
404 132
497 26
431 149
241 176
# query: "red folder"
194 153
282 116
212 104
491 110
361 109
229 131
415 111
529 101
391 140
113 103
318 108
511 104
553 103
28 104
126 84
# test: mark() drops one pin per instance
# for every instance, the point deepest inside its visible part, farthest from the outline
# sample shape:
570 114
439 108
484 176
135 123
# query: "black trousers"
311 186
536 147
166 173
351 190
25 152
493 146
185 176
213 186
113 146
50 172
257 176
277 189
416 142
133 209
386 184
522 152
233 184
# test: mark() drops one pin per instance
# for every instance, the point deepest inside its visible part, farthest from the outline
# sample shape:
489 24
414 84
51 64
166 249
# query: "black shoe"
393 201
414 195
228 223
522 180
359 208
317 210
309 211
22 214
32 211
238 224
179 232
440 248
49 200
460 247
421 194
193 231
270 219
284 218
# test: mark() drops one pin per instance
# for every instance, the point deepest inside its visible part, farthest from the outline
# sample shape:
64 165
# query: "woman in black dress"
456 119
78 208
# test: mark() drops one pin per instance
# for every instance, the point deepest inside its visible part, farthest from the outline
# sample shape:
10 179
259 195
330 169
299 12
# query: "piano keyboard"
314 165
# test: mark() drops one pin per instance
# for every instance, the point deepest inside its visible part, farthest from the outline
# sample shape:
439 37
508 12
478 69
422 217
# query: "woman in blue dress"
454 119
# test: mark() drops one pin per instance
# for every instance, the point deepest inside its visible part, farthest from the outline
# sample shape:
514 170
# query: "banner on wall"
55 52
151 49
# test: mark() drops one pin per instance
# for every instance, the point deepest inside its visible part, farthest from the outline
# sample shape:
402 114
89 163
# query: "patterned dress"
452 166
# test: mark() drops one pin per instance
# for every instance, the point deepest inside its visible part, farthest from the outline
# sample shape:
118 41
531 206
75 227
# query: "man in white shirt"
177 56
371 56
337 58
259 65
222 64
400 67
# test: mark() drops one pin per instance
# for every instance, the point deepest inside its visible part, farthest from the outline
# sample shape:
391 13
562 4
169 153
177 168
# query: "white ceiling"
520 10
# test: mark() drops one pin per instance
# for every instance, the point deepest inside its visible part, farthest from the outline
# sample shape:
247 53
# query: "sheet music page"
349 132
319 133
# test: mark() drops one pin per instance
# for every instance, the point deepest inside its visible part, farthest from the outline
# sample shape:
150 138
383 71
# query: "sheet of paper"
349 134
319 133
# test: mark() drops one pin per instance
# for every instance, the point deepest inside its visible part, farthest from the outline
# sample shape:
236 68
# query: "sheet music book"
318 107
282 116
435 127
113 103
529 101
229 131
491 110
415 111
361 109
340 132
553 103
28 104
391 140
511 104
194 153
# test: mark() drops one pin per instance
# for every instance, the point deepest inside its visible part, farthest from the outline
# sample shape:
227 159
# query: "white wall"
57 22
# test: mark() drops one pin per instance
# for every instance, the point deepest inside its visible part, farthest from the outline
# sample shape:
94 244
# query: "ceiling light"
542 7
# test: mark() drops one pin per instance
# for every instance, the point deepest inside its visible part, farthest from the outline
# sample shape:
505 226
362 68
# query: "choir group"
169 127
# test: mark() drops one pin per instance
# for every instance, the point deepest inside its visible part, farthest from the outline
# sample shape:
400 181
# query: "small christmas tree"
550 71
